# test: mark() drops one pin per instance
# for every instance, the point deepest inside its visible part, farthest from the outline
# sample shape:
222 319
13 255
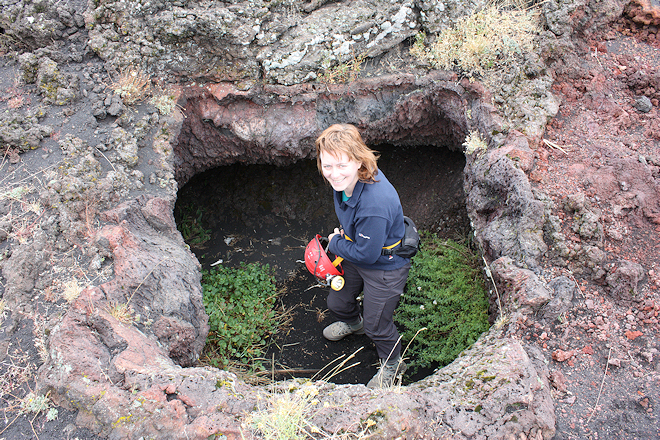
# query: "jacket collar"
357 191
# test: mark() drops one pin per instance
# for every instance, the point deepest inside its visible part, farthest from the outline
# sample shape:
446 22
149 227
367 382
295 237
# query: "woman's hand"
337 232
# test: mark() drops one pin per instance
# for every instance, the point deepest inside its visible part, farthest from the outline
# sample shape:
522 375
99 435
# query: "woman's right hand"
336 232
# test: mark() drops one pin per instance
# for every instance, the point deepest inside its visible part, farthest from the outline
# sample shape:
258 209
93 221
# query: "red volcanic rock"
644 11
149 254
561 355
526 292
278 124
517 149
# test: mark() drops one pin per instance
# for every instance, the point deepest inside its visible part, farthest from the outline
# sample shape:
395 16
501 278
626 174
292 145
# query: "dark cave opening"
267 214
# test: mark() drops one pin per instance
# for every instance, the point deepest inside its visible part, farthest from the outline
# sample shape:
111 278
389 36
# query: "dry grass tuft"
40 336
71 290
488 40
18 371
25 210
501 321
132 85
344 72
122 312
286 415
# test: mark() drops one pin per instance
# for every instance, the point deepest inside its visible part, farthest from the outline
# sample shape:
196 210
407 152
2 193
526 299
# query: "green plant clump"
190 225
445 293
240 303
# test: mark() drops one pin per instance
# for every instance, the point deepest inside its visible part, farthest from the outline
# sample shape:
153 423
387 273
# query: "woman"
371 220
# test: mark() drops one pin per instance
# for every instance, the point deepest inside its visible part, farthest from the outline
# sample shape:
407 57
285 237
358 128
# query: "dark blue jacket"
371 218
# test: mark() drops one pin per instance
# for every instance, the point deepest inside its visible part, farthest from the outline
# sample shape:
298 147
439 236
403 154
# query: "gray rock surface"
563 292
643 104
502 207
623 278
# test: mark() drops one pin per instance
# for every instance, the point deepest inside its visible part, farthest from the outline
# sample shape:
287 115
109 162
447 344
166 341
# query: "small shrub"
445 293
418 50
15 102
36 403
490 39
344 72
240 303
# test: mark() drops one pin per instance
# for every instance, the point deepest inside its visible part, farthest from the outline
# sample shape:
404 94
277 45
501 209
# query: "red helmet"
318 262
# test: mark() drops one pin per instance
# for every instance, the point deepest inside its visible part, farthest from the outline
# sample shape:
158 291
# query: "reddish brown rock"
516 148
561 355
558 381
524 291
644 11
148 253
279 124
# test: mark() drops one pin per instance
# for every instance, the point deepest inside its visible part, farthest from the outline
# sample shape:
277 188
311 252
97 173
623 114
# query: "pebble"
643 104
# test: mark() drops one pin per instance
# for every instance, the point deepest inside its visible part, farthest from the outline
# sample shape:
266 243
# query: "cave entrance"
268 214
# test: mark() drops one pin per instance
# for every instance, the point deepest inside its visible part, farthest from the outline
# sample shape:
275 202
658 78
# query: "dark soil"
300 350
268 214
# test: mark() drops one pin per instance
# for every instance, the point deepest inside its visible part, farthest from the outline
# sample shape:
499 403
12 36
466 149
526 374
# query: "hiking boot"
388 373
340 329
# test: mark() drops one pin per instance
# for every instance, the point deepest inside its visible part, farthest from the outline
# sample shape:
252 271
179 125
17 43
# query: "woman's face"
341 172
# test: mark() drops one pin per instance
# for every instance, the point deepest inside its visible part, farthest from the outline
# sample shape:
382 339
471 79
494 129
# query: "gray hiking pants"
382 289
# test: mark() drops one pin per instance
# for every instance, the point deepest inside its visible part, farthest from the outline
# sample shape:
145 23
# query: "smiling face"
341 172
